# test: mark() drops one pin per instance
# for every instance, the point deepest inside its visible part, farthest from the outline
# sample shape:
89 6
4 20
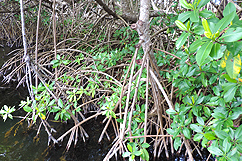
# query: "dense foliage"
210 89
201 68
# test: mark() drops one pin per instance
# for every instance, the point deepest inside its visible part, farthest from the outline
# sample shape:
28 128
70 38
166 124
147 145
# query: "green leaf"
226 145
205 13
229 95
57 116
184 16
145 145
227 86
145 155
60 103
185 4
181 25
227 77
203 53
198 30
130 148
194 17
196 128
232 36
217 51
210 135
198 137
186 132
181 40
215 150
234 47
27 109
170 131
55 109
202 3
171 112
238 132
229 9
237 111
177 143
207 111
126 154
194 46
112 114
200 121
206 26
224 22
221 134
137 153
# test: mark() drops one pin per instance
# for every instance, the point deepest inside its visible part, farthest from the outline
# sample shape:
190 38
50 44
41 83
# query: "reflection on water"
16 142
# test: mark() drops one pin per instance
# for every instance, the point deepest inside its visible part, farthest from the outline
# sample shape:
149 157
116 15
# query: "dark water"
17 142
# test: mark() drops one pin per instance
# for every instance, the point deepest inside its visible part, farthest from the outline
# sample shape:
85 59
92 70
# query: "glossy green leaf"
171 112
215 150
233 66
27 109
194 46
198 30
232 35
126 154
206 26
186 133
198 137
57 116
207 111
205 13
224 22
229 9
177 143
145 154
226 145
210 135
55 109
237 111
234 47
196 128
194 16
181 25
229 95
130 148
227 77
238 132
221 134
137 153
203 53
170 131
60 103
184 16
185 4
217 51
200 121
145 145
181 40
202 3
227 86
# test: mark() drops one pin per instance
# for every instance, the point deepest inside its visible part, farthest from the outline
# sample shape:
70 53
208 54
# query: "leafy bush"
210 86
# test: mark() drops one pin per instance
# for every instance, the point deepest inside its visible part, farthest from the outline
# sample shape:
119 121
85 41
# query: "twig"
172 55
